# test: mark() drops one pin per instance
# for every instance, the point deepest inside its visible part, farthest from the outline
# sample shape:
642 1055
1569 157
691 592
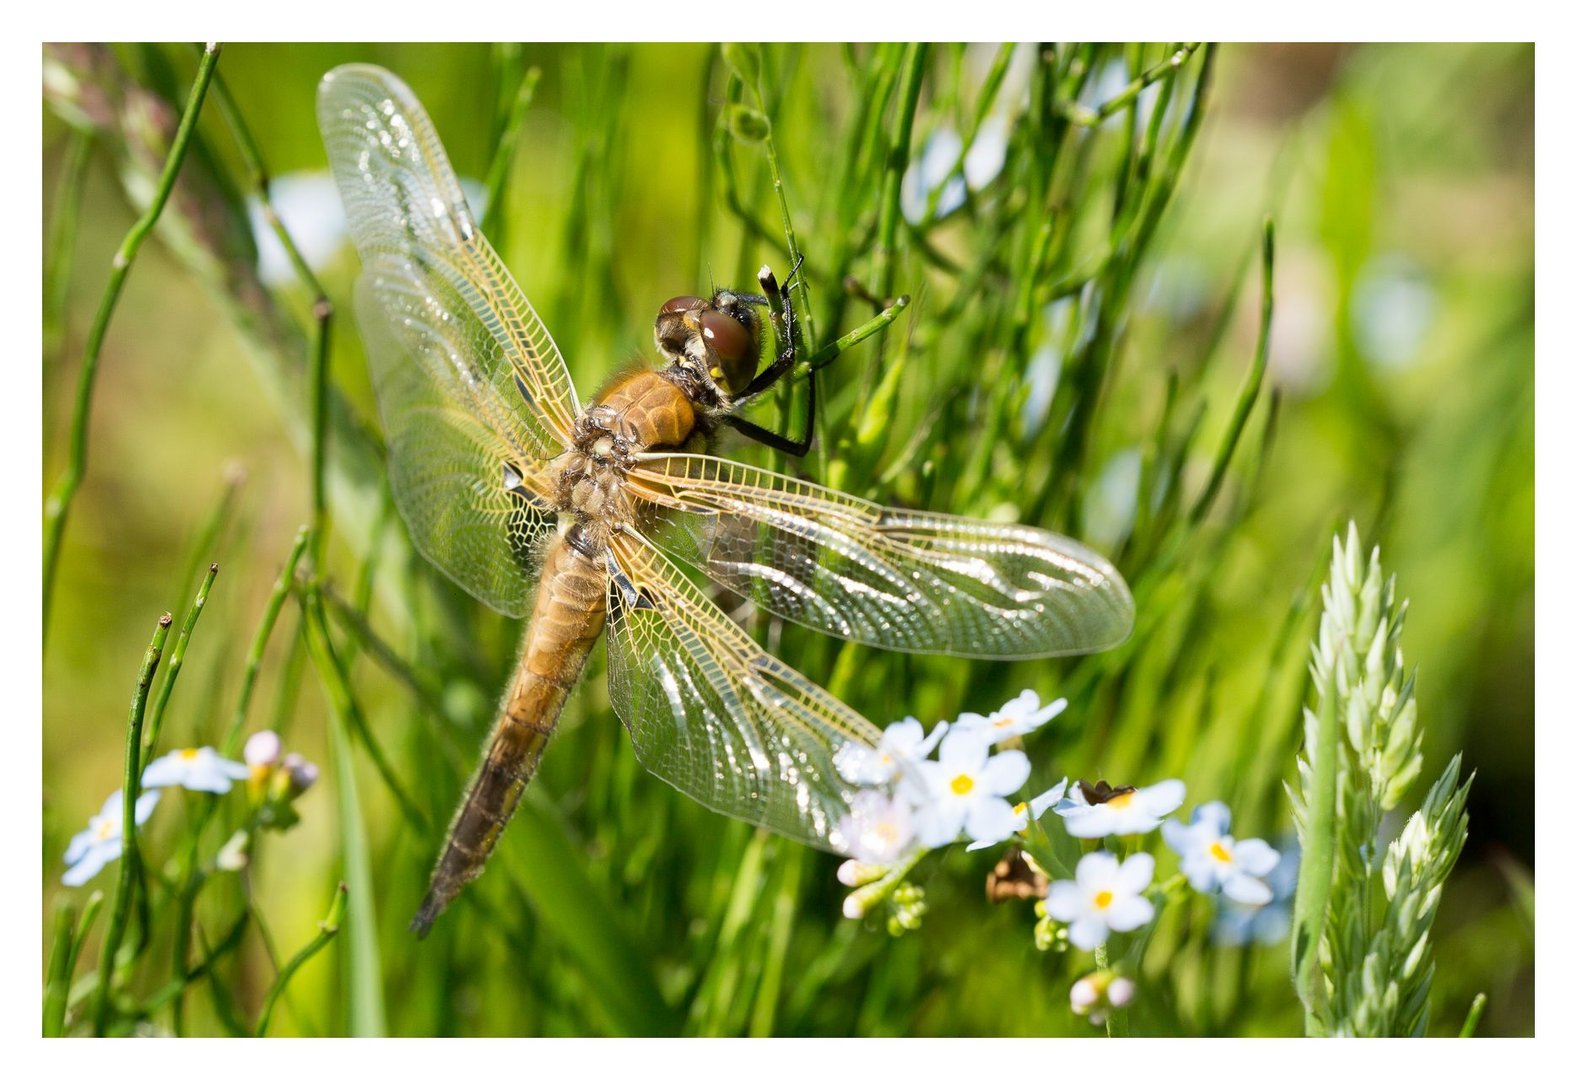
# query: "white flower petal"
1064 901
1087 932
991 820
1161 799
1246 890
1136 872
94 859
145 804
1006 772
1047 799
79 845
207 780
1089 822
1098 870
1201 871
1179 837
939 823
1256 857
963 751
166 771
1129 912
1214 816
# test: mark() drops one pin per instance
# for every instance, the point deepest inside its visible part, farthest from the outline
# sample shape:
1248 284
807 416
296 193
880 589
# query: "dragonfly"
583 517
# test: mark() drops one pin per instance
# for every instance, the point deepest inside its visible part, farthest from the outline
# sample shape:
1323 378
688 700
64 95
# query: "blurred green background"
1401 183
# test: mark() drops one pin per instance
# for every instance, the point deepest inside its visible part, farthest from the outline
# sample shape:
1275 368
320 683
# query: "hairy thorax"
637 412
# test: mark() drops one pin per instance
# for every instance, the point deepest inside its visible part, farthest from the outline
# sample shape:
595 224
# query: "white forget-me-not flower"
1214 862
197 768
1104 895
1095 810
902 745
100 843
1026 812
878 829
1018 717
964 790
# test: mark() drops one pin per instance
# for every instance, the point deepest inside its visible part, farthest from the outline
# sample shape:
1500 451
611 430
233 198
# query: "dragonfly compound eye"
683 303
733 349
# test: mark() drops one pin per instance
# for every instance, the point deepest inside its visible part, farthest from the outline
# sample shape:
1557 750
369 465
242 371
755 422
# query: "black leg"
785 341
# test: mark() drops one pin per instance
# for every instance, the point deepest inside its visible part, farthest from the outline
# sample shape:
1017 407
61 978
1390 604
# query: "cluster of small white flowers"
910 802
913 801
199 768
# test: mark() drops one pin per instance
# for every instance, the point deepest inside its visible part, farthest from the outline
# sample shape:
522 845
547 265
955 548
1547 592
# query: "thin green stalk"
205 547
831 351
423 687
131 784
318 394
1116 1019
1474 1014
1317 867
784 905
254 656
322 316
58 506
90 915
177 986
337 686
57 983
1251 383
177 657
364 965
63 237
1085 116
493 221
327 929
897 163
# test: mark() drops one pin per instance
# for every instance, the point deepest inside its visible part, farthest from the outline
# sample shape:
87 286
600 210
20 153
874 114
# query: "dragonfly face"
578 516
720 336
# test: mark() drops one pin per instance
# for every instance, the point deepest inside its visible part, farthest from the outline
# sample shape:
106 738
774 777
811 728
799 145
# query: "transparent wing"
900 579
404 203
737 730
462 467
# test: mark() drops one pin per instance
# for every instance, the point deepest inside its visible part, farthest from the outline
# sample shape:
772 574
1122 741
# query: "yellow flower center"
887 832
1219 852
1104 898
104 829
1120 801
963 784
189 754
1003 721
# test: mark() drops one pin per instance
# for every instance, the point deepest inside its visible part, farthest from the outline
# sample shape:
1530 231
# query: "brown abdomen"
650 411
570 609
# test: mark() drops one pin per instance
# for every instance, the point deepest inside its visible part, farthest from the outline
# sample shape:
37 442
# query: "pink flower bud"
262 749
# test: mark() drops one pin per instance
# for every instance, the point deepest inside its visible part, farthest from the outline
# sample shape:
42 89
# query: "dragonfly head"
719 338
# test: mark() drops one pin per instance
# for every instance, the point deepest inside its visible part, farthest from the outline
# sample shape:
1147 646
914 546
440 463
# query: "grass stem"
131 784
327 929
58 507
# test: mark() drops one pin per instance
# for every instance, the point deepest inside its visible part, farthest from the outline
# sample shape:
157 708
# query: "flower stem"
177 656
130 789
1116 1019
326 931
58 982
